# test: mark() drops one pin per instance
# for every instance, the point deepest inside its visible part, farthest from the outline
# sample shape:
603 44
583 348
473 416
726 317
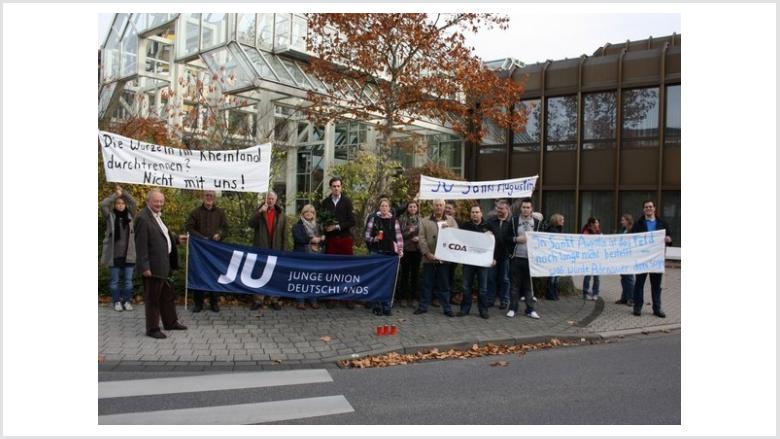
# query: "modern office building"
603 134
603 131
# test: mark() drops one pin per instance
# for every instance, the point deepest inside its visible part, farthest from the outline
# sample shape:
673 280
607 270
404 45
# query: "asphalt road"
635 380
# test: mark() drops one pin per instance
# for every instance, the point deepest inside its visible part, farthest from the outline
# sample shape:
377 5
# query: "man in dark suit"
650 223
338 235
155 257
270 229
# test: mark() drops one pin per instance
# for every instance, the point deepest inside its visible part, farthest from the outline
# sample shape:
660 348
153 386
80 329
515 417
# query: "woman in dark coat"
307 238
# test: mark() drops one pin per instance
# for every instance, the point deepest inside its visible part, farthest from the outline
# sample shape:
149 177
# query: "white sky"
541 36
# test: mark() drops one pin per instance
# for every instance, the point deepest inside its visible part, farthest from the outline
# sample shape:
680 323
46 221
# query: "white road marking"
239 414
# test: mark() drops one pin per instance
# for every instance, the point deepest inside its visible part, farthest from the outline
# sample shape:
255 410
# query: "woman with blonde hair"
307 238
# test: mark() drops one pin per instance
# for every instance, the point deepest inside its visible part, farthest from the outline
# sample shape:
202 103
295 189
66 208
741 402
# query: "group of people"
144 243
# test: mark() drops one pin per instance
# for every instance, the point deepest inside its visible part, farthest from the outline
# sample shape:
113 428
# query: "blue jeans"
586 285
127 292
655 291
468 277
439 274
499 282
552 288
627 282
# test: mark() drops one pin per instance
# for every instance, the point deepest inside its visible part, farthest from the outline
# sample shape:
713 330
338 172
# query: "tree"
393 69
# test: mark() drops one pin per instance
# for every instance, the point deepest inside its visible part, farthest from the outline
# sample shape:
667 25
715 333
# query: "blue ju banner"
231 268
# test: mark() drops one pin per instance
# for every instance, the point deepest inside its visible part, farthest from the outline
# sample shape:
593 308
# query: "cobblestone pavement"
239 339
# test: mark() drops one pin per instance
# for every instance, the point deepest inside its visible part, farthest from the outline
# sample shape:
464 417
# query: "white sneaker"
510 314
128 306
117 306
588 297
533 315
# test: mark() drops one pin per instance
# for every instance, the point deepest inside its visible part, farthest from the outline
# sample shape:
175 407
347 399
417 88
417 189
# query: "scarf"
311 227
121 219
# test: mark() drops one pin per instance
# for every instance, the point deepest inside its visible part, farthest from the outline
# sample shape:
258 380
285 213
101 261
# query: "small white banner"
563 254
465 247
432 188
128 160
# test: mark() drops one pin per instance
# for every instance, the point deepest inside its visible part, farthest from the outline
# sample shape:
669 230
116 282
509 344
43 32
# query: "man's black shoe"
376 311
388 312
215 307
419 311
659 314
621 302
177 327
461 314
484 314
637 313
156 334
503 305
198 307
449 314
276 305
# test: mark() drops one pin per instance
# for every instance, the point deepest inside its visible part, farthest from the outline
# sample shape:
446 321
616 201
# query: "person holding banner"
270 226
338 233
556 226
626 280
156 257
649 223
119 245
207 221
307 238
383 237
498 275
476 225
410 262
435 271
521 274
592 227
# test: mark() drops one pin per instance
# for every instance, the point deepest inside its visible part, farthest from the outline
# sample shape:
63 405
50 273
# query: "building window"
671 214
447 150
309 175
493 133
560 202
599 120
214 30
598 205
245 29
189 35
672 130
130 51
562 123
640 118
530 138
265 31
350 138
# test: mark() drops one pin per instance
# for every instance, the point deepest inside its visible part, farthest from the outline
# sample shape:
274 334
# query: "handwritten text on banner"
128 160
561 254
432 188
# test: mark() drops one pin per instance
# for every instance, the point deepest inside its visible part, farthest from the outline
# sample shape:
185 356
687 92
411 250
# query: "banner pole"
395 283
187 271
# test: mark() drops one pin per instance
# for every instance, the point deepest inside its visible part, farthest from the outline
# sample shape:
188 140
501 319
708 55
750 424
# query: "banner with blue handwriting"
432 188
563 254
231 268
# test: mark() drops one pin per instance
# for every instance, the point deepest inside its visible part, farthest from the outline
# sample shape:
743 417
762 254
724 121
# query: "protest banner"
231 268
563 254
465 247
432 188
128 160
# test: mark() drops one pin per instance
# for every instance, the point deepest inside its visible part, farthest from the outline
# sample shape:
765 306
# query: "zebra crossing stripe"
205 383
240 414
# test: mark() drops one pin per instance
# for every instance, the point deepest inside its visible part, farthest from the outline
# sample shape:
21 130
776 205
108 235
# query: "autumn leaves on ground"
396 359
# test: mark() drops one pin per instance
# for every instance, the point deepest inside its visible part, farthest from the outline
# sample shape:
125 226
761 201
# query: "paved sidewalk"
239 339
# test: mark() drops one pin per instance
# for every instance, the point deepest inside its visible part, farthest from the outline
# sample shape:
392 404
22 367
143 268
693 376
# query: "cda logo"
456 246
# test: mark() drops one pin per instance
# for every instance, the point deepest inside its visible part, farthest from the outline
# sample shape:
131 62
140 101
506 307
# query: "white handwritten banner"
432 188
563 254
128 160
465 247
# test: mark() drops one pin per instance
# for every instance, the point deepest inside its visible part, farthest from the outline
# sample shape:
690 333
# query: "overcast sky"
538 37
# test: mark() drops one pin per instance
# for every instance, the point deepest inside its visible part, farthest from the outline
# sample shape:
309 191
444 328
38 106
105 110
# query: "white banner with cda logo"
465 247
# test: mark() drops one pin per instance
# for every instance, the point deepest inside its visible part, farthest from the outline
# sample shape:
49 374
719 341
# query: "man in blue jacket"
650 223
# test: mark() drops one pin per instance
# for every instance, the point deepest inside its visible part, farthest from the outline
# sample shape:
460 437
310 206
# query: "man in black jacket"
476 225
498 275
155 247
207 221
338 234
649 223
